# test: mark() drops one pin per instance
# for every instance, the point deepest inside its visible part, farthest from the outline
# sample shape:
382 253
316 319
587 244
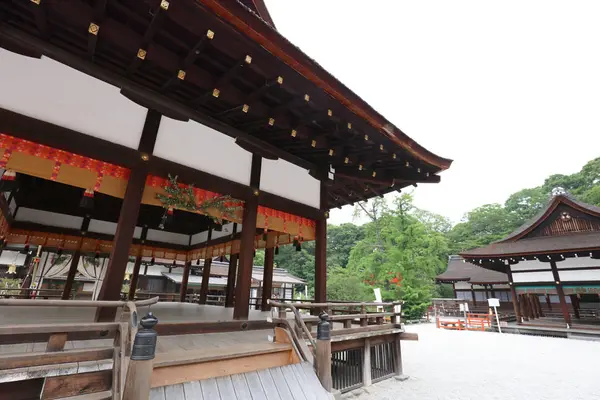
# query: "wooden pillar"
267 285
548 302
231 273
184 282
71 276
575 305
473 296
367 378
454 290
119 255
492 292
205 281
134 278
524 312
323 353
321 251
513 294
398 355
533 306
561 294
539 306
230 290
244 276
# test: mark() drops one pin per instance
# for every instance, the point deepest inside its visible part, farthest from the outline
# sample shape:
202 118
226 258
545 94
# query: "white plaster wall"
227 230
529 265
544 276
578 262
50 91
580 275
12 257
168 237
200 147
109 228
48 218
287 180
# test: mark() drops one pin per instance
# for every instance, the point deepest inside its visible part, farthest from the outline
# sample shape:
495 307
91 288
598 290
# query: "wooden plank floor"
296 381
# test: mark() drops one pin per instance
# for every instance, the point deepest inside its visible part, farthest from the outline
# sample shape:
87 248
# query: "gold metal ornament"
93 29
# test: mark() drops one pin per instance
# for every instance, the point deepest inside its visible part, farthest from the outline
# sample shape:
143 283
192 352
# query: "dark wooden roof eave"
237 15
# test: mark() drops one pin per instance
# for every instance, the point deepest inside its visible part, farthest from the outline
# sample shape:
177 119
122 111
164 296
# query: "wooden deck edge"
171 375
198 356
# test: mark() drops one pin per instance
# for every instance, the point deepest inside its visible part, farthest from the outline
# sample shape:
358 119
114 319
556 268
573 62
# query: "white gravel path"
483 366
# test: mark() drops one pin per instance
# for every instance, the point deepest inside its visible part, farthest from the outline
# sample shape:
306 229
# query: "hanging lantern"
166 218
296 242
276 250
97 255
198 262
299 247
87 200
8 182
59 251
12 269
152 260
264 235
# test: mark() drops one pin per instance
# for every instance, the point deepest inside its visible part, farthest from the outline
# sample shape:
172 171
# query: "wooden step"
186 366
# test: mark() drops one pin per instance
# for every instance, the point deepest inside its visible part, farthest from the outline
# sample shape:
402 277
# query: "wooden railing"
346 357
62 372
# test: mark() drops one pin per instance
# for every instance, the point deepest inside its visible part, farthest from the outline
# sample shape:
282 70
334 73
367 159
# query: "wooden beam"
205 281
57 387
41 19
151 30
244 278
23 360
267 284
184 282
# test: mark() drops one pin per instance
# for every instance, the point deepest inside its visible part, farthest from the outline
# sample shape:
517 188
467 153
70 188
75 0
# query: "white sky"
510 90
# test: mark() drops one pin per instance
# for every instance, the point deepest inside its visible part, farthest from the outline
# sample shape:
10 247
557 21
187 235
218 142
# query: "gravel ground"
484 366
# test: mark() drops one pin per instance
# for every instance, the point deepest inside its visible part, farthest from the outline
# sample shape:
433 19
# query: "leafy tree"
340 241
343 285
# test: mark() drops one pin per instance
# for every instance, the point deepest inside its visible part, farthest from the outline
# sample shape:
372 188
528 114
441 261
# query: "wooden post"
323 352
119 255
575 305
205 280
184 282
561 294
321 250
267 286
548 302
513 294
539 306
397 356
473 296
241 308
367 378
230 290
134 278
523 304
71 276
492 291
137 384
231 273
532 306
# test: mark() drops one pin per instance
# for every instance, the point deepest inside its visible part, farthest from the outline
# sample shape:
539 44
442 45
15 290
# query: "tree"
340 241
345 285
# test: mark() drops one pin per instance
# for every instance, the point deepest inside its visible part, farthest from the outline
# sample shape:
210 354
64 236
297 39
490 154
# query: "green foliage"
183 198
340 241
343 285
444 291
9 283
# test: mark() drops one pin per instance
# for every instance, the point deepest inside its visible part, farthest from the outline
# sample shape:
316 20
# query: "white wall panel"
580 275
168 237
290 181
12 257
544 276
578 262
48 218
50 91
109 228
227 230
529 265
202 148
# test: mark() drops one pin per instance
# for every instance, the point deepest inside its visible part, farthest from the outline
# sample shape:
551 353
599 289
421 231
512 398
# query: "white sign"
494 302
461 307
504 324
467 307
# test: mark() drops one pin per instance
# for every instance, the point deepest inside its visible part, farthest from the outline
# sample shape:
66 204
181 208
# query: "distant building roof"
195 280
460 270
564 225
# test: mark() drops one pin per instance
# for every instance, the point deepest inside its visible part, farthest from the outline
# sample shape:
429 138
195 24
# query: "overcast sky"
510 90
